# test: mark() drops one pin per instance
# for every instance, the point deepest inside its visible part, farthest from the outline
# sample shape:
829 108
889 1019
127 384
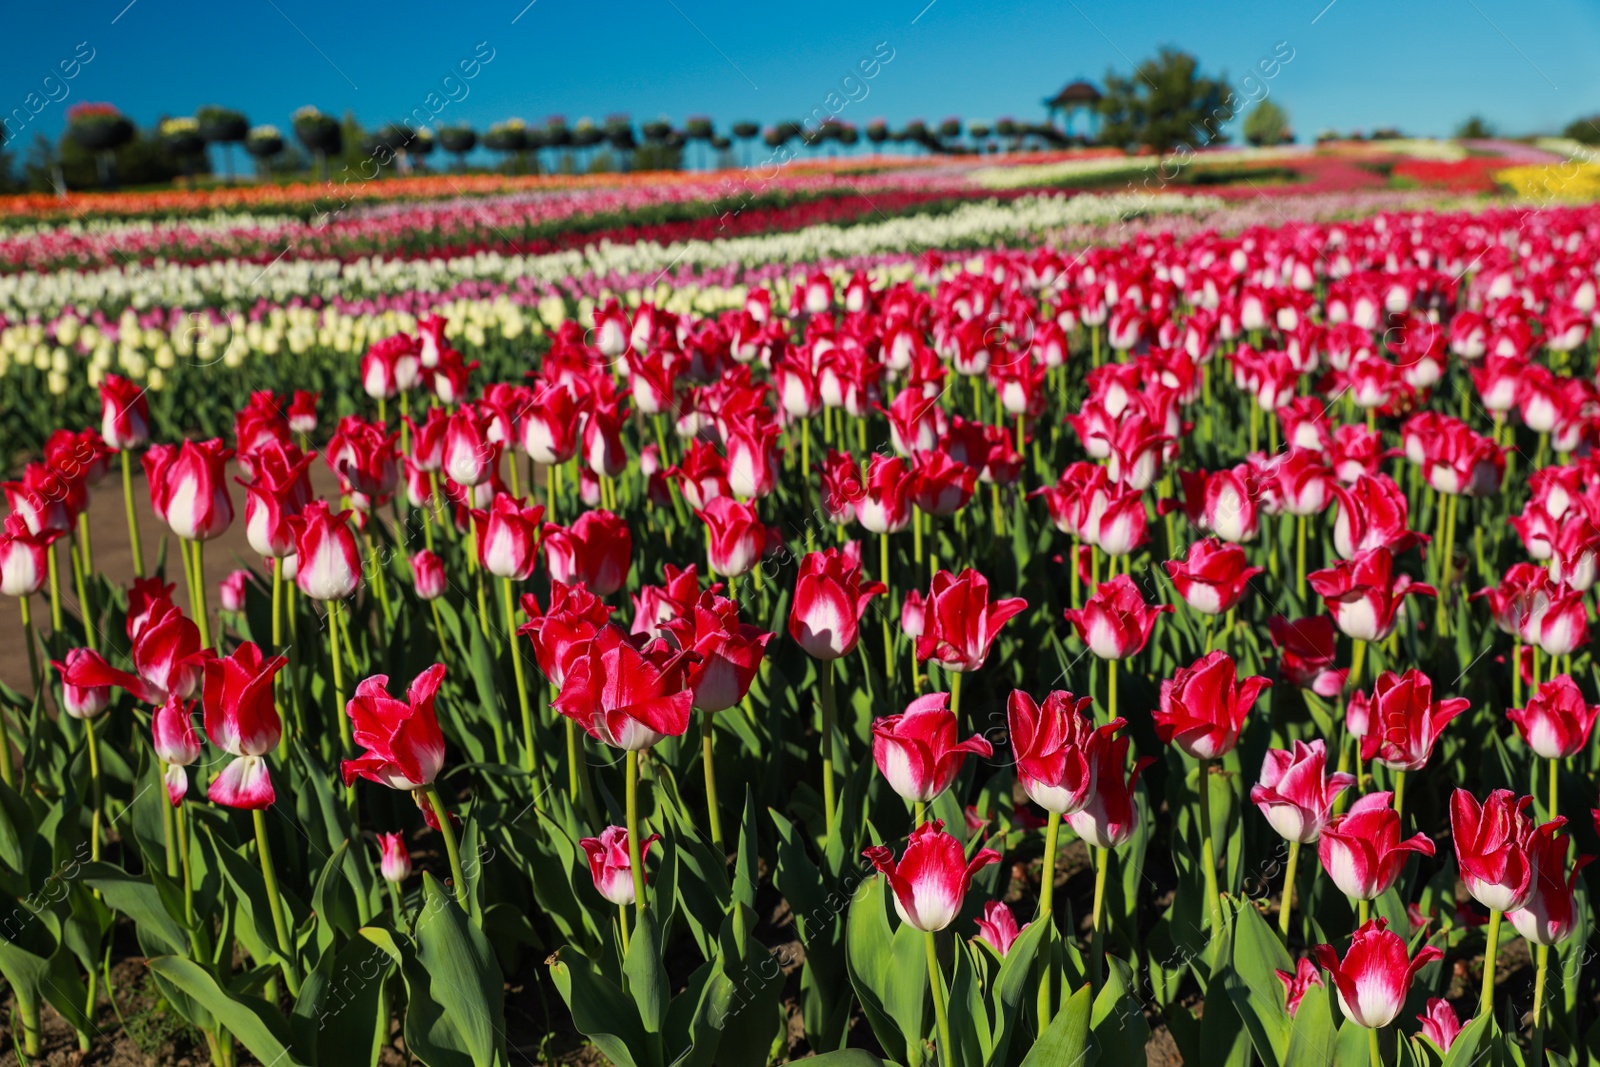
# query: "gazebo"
1074 97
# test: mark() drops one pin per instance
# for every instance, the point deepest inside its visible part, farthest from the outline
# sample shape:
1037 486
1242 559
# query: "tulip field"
884 615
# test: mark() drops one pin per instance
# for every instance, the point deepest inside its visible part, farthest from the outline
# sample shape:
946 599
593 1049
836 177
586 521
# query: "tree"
183 140
745 131
458 141
100 129
1474 129
321 135
1584 130
510 138
263 143
223 126
1267 124
1164 103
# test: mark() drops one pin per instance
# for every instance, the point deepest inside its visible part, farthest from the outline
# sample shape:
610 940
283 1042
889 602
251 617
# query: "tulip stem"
1400 798
941 1010
31 639
1541 965
1363 911
1111 688
1357 658
201 612
1208 851
622 917
453 850
1047 889
1372 1034
888 636
635 859
1286 909
274 904
96 789
168 841
522 682
1097 941
829 802
181 818
133 517
338 678
1446 564
1555 787
55 589
1300 557
1490 951
706 734
955 694
1516 671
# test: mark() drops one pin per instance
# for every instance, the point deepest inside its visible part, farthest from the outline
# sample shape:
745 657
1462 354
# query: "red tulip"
303 412
796 383
1556 723
737 535
550 425
1458 461
917 751
1115 622
1213 577
194 491
40 500
1223 502
176 744
1296 793
233 590
1362 851
394 861
1511 603
730 651
829 599
24 557
932 877
627 692
124 414
960 625
1559 623
508 537
841 487
702 476
241 719
885 503
1494 848
1440 1023
81 701
1136 445
656 605
753 460
1376 974
1298 984
82 457
1304 482
1111 816
1204 705
940 485
1548 916
156 460
559 636
1406 720
280 491
326 555
913 422
1364 595
1057 749
427 573
1306 651
469 456
1372 514
362 454
404 746
597 550
609 863
998 927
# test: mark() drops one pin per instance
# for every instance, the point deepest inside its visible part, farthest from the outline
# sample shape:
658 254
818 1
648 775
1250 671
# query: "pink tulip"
932 877
917 751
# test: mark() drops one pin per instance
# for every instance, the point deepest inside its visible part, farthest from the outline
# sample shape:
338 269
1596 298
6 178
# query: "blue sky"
1422 65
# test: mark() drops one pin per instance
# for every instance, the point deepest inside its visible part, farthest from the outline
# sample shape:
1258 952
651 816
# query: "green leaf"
1117 1022
1013 985
852 1057
140 901
646 973
1065 1042
1253 983
463 978
257 1025
746 869
869 954
600 1010
906 990
1312 1035
1476 1042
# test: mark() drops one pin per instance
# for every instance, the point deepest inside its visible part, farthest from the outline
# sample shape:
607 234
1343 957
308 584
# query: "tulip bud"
609 863
232 590
395 863
427 571
81 701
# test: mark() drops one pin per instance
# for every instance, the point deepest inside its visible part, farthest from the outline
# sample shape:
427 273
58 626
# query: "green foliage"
1166 102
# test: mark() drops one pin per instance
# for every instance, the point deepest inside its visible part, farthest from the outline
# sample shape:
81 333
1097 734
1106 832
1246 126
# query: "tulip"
280 491
232 590
507 537
1213 577
469 456
932 876
841 487
597 550
701 476
601 436
1057 749
1494 844
1372 514
362 454
1203 707
627 692
24 559
656 605
394 861
917 751
176 744
1361 850
1306 651
737 536
1556 722
80 701
1222 502
1364 595
730 651
550 425
1406 721
829 599
1111 816
303 412
325 546
241 720
960 624
124 414
1549 914
559 635
1440 1024
1296 793
1376 974
427 572
1298 984
403 743
1557 623
753 459
998 928
609 863
1115 622
940 485
194 491
885 503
